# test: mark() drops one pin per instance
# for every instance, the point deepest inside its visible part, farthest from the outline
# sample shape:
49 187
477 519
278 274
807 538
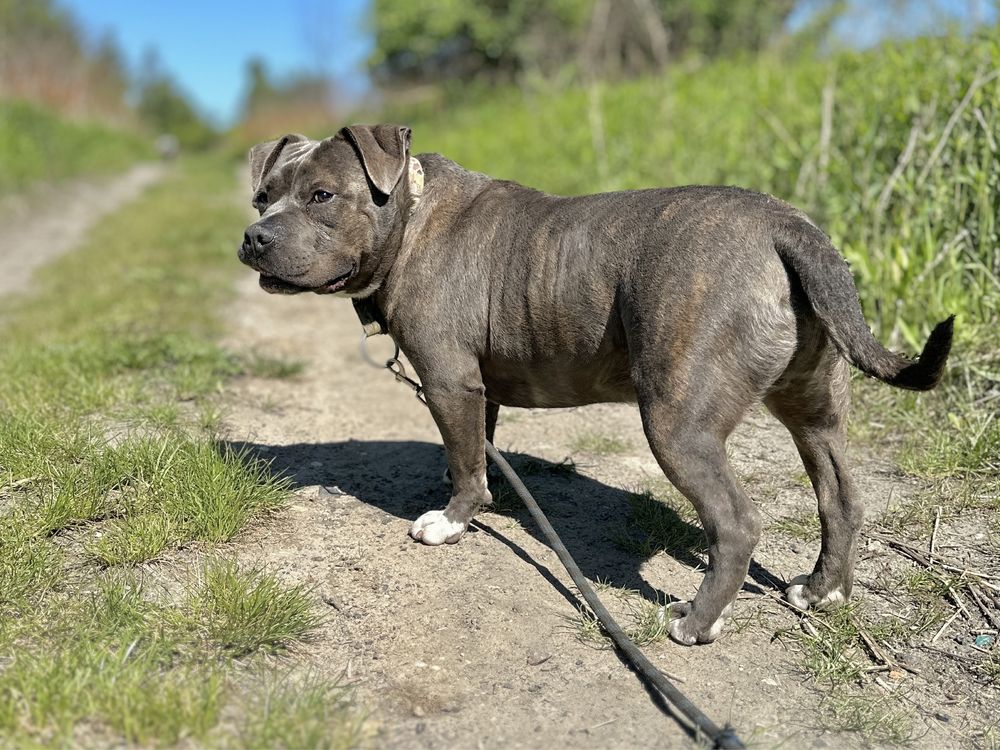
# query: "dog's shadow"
609 531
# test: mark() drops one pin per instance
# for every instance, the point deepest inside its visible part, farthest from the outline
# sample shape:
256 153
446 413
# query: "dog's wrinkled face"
327 209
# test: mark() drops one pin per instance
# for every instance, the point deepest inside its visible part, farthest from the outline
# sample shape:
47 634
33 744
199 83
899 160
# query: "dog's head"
330 211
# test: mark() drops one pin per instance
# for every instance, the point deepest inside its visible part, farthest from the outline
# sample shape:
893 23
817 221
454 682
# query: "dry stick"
946 624
917 556
943 253
986 129
877 652
937 522
826 132
977 598
901 164
976 84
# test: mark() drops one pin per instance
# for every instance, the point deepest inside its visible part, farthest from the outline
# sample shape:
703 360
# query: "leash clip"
393 365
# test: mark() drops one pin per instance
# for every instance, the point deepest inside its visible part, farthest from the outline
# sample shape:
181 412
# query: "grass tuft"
249 611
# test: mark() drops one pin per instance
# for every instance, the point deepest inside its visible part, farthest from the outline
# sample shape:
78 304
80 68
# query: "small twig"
825 132
877 652
901 164
917 556
976 84
937 522
942 652
804 612
982 606
986 129
947 623
602 724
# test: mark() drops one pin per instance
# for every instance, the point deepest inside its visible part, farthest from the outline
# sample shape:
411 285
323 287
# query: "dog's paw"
434 528
681 627
799 595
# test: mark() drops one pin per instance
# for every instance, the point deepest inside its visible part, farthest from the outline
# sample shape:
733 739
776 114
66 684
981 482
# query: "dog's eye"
321 196
260 199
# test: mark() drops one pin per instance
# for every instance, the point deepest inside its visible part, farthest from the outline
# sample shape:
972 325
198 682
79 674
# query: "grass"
38 145
249 611
803 525
661 521
109 378
883 720
600 445
644 621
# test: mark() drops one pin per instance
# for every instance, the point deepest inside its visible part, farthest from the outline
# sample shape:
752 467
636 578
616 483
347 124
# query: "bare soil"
51 220
478 644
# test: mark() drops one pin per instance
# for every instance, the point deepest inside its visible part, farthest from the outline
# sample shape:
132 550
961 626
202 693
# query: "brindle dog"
695 302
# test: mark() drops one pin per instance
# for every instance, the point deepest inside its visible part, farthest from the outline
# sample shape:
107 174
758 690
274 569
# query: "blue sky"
205 45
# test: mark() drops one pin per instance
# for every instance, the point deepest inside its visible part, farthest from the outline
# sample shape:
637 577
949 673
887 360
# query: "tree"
431 39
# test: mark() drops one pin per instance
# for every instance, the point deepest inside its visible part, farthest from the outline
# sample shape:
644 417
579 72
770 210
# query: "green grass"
109 378
600 445
248 611
661 520
803 526
38 145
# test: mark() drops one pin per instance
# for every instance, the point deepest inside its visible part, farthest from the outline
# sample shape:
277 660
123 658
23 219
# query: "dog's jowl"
695 302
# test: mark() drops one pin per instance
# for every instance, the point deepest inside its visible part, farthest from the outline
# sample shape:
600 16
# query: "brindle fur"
695 302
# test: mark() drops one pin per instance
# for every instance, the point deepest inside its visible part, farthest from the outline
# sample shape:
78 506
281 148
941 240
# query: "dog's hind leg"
812 403
690 448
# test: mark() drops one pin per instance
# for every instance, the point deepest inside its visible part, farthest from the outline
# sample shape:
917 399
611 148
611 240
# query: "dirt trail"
53 220
476 645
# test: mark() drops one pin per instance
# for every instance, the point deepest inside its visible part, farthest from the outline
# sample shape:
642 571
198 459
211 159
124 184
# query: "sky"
205 45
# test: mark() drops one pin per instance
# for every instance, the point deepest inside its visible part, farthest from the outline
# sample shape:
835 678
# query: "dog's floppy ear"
264 155
384 151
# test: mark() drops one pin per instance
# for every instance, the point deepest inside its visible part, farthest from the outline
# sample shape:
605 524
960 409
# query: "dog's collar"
372 320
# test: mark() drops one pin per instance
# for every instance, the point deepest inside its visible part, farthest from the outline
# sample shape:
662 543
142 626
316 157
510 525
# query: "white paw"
679 626
434 528
796 596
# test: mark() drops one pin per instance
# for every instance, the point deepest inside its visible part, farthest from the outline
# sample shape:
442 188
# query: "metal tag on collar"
369 316
416 179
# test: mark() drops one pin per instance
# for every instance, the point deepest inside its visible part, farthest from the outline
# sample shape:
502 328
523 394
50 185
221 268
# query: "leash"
698 725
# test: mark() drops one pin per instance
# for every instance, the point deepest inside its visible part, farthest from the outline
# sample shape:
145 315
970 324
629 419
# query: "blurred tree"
430 39
301 102
45 58
165 109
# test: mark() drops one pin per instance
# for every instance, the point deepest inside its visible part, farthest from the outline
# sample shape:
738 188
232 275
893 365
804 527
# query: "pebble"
538 657
329 490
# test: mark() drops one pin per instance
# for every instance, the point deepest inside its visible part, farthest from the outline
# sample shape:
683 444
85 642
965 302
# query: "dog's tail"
829 287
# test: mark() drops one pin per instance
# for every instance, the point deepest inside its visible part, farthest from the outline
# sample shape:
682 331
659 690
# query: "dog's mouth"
275 285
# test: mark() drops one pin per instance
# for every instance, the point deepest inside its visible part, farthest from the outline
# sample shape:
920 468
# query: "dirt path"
477 645
52 220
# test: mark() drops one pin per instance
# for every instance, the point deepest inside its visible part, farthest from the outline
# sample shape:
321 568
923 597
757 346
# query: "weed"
248 611
832 655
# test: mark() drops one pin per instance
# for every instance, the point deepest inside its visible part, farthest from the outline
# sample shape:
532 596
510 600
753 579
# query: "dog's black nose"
263 236
255 242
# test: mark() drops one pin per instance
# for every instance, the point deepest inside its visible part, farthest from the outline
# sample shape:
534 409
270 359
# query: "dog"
696 303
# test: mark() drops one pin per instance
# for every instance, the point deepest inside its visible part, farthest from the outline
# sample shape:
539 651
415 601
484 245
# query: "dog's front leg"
459 409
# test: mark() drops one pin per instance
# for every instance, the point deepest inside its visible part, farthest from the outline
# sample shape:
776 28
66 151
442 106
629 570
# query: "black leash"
703 730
